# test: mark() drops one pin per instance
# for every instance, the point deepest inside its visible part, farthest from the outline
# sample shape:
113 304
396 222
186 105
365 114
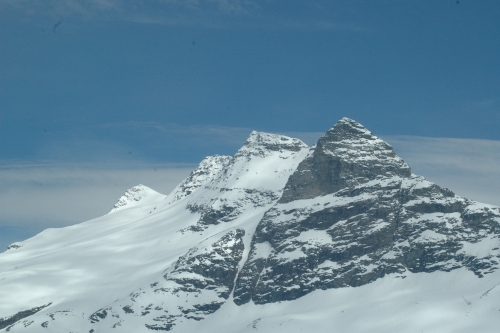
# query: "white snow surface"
95 264
139 195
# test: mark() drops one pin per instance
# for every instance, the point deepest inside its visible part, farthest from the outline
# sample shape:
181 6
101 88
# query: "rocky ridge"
353 212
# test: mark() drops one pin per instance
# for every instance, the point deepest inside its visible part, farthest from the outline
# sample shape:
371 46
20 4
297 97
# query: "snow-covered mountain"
281 237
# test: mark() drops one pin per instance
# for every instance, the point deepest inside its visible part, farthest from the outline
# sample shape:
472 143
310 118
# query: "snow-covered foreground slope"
339 237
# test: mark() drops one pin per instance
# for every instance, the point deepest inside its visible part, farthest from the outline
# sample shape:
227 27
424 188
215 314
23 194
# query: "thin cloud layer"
316 15
469 167
36 197
68 194
459 155
136 142
125 9
55 194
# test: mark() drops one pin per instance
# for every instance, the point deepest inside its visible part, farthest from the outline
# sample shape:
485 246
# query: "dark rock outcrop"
8 321
346 156
352 213
206 271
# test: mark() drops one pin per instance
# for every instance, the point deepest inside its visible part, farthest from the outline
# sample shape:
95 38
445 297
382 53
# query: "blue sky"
118 87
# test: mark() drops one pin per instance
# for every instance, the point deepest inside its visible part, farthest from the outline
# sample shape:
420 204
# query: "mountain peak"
345 156
132 196
258 143
348 129
273 141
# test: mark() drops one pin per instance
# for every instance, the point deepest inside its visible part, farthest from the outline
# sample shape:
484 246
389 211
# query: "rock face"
353 212
355 236
273 223
203 278
201 176
11 321
346 156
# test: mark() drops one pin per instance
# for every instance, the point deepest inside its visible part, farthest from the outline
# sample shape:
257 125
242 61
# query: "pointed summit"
133 195
344 157
347 128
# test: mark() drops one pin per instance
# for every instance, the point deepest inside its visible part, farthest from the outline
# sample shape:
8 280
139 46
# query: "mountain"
281 237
